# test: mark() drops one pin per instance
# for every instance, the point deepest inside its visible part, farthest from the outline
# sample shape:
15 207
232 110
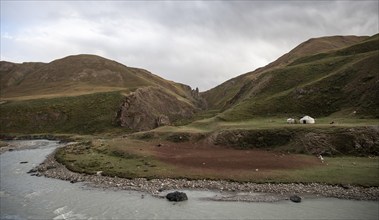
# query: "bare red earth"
216 158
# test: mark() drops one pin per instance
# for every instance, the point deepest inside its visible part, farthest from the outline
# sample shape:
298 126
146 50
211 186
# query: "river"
29 197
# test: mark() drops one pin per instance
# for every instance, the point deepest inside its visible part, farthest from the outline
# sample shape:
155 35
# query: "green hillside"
85 114
337 81
225 94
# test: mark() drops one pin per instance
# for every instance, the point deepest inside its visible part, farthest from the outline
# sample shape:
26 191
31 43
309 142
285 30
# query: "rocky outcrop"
163 120
150 107
356 141
199 100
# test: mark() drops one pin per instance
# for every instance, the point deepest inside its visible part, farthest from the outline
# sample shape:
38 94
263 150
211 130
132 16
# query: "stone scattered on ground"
176 196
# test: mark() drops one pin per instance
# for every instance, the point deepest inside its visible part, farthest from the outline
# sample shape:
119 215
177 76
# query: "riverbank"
20 144
15 142
234 191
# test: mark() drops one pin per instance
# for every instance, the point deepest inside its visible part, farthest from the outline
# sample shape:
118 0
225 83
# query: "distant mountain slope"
32 93
75 75
320 77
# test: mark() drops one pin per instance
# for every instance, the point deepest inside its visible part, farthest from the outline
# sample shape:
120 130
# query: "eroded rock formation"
150 107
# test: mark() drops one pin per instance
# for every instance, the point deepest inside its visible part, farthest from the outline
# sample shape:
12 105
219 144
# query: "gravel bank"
232 191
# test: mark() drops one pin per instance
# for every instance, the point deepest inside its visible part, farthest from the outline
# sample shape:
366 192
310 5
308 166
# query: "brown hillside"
77 75
317 45
136 99
73 74
13 74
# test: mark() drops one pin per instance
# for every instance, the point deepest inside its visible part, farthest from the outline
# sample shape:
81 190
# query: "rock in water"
34 170
295 198
176 196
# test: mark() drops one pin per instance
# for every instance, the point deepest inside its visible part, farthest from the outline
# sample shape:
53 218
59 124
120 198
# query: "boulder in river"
176 196
295 198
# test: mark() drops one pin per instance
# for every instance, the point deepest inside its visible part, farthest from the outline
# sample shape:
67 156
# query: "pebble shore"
232 191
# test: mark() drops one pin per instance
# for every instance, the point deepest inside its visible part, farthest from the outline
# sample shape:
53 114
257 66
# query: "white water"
28 197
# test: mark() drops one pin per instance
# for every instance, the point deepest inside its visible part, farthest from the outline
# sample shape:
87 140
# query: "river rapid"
23 196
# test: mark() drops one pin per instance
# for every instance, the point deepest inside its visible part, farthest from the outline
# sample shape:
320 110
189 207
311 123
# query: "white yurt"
307 120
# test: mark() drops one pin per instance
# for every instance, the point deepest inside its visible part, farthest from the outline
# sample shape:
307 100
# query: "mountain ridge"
77 72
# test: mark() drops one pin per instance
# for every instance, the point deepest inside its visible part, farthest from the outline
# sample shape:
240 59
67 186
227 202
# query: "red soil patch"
219 158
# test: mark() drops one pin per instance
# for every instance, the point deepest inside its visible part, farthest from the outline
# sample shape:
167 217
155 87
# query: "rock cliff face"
150 107
358 141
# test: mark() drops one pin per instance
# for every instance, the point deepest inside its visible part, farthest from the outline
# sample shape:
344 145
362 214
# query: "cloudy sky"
199 43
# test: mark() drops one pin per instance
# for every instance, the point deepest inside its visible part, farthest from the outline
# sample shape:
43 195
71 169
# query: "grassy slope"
215 124
84 114
332 82
261 93
89 158
339 170
219 96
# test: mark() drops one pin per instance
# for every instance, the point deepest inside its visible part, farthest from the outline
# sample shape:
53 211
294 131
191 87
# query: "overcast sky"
199 43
